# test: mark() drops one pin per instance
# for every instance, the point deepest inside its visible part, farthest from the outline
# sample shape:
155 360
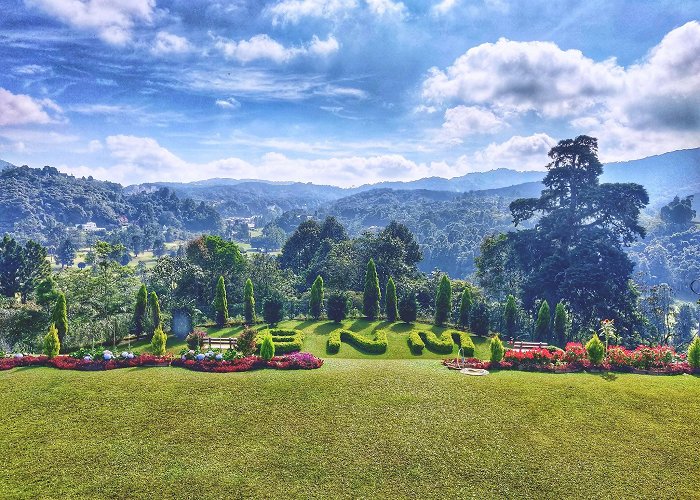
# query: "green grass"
380 428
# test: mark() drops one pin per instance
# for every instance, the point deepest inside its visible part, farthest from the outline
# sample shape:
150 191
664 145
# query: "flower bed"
203 363
17 360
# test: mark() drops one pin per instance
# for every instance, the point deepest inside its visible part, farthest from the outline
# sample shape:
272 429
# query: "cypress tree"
408 308
316 301
443 300
248 303
373 294
59 317
140 311
392 310
220 303
52 345
267 348
560 321
465 308
154 306
510 316
542 324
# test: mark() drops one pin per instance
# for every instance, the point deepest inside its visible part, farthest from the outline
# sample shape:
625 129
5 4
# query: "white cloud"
94 146
111 20
167 43
518 152
462 121
387 8
229 103
264 47
442 8
31 69
525 76
20 109
292 11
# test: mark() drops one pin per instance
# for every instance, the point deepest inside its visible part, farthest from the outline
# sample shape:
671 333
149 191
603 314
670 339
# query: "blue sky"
340 92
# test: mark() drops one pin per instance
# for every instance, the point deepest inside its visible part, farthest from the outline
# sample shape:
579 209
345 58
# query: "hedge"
445 342
377 345
285 341
415 343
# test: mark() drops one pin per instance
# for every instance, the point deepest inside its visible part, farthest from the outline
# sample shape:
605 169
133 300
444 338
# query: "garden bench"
521 345
221 342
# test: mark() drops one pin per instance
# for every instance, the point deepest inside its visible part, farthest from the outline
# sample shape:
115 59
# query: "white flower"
219 357
130 355
19 355
190 351
125 354
107 355
87 358
200 356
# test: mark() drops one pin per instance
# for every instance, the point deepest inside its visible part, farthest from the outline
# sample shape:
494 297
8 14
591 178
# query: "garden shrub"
267 348
158 341
442 344
337 308
595 349
415 343
333 345
246 342
464 341
195 340
694 353
52 345
377 345
408 308
285 341
497 349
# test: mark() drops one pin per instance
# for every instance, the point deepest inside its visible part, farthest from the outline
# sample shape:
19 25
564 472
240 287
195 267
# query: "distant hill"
5 164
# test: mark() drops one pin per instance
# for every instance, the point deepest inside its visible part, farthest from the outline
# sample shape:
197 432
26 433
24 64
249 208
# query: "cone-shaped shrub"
497 349
220 303
337 307
248 303
443 300
694 353
560 322
542 324
316 300
465 308
59 316
408 308
392 308
154 306
159 341
139 322
372 295
595 349
52 345
510 317
267 348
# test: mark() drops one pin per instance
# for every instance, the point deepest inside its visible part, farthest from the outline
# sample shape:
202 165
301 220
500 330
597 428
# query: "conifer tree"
220 303
510 317
159 340
154 307
480 319
140 311
408 308
465 308
267 348
443 300
249 303
372 294
52 345
316 300
542 325
392 310
560 321
59 317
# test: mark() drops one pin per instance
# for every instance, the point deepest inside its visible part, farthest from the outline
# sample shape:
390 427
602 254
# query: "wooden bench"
221 342
521 345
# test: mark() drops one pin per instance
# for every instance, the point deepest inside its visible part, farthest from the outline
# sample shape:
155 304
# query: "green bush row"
377 345
415 343
285 341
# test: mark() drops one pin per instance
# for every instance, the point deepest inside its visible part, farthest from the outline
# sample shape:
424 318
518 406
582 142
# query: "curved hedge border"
377 345
443 344
285 341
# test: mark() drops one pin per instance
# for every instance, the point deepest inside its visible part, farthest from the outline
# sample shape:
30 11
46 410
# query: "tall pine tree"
220 303
561 320
542 325
59 317
373 294
510 317
139 322
392 310
316 300
465 308
443 301
154 307
249 303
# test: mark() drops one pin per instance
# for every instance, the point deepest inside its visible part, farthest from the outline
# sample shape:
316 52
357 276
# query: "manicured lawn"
354 428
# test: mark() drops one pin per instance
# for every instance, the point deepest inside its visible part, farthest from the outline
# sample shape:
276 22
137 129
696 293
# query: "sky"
342 92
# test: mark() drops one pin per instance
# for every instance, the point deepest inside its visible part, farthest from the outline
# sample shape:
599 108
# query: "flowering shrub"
18 359
107 361
295 361
575 353
195 340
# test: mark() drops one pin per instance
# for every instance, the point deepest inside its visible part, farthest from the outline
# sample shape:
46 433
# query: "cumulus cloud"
292 11
112 21
263 47
462 121
229 103
443 7
20 109
167 43
387 8
518 152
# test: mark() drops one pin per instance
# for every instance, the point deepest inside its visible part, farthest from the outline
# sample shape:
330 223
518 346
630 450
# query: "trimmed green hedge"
445 342
415 343
377 345
285 341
